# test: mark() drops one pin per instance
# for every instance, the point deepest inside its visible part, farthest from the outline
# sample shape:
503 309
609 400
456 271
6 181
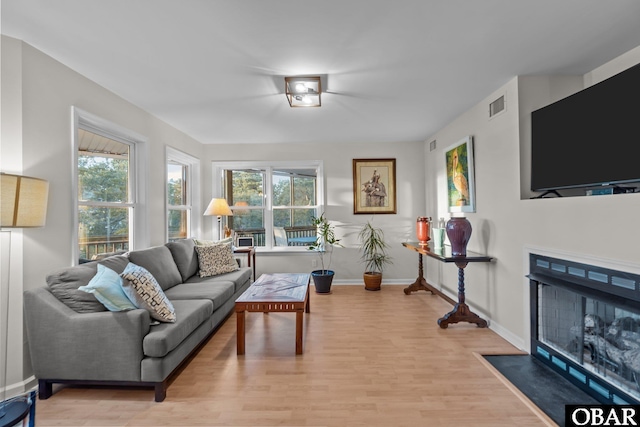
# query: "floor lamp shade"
218 207
23 201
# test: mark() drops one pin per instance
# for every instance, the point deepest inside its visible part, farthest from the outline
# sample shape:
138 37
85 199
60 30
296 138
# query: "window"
182 195
106 188
105 199
272 202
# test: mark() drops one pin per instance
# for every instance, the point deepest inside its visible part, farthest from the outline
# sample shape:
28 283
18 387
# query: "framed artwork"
460 176
374 186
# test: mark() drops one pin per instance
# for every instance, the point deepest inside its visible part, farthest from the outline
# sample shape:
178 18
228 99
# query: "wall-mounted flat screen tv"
589 139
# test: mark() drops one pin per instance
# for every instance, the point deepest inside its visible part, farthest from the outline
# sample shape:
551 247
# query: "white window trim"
96 124
193 188
219 167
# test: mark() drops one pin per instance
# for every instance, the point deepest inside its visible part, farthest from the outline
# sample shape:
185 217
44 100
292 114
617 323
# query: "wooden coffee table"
280 292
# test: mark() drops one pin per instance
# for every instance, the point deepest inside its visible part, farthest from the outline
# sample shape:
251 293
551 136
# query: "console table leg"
461 311
421 283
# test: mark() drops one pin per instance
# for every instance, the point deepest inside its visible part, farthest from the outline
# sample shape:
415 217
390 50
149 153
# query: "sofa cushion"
106 286
185 257
64 283
216 259
199 242
218 292
167 336
159 262
117 263
104 255
145 292
238 277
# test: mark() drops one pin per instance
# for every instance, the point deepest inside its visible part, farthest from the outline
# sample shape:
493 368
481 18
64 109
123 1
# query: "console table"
461 311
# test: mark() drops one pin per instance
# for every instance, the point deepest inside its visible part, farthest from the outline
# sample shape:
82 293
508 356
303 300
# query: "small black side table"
17 410
461 311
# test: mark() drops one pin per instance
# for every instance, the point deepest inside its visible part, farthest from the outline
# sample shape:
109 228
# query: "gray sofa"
74 340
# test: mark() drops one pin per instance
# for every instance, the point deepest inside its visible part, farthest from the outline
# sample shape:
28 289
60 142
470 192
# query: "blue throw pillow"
106 286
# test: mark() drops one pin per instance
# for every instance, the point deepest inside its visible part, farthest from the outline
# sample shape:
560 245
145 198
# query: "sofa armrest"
65 345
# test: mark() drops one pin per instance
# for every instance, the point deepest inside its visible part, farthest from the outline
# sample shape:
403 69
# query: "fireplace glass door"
597 335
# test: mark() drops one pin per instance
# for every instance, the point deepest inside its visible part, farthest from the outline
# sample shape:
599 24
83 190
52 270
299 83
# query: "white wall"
38 93
338 172
507 224
37 97
497 221
11 248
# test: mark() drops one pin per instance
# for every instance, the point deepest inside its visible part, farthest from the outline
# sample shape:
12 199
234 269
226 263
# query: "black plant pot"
322 279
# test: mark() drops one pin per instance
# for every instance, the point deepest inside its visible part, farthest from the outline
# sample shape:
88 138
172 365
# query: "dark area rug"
547 389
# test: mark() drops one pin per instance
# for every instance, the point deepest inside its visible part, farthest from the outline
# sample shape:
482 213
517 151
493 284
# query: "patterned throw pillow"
216 259
145 292
106 286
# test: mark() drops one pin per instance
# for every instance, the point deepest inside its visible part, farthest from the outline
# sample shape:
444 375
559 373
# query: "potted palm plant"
323 245
374 255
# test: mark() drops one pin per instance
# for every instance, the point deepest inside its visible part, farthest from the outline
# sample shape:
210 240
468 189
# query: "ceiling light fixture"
303 91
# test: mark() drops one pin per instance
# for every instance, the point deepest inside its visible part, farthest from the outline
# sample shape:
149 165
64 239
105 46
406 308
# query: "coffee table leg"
299 314
307 306
240 333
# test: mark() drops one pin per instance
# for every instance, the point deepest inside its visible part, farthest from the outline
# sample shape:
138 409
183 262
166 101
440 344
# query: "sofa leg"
45 389
161 391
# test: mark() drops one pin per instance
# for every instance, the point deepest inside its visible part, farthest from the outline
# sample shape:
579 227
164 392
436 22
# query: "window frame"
192 191
268 166
138 228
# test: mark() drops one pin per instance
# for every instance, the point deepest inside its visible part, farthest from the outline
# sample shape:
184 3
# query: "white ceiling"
393 71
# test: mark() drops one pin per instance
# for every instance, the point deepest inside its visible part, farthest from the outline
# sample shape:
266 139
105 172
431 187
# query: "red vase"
422 229
459 232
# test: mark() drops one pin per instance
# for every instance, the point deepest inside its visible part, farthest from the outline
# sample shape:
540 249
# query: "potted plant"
374 255
323 245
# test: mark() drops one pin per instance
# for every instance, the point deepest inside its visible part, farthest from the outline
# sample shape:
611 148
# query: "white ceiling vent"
498 106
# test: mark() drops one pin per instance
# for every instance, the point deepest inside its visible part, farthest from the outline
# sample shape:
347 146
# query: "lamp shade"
23 201
218 207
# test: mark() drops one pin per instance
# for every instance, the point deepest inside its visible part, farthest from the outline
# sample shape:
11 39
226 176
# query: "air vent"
497 106
432 145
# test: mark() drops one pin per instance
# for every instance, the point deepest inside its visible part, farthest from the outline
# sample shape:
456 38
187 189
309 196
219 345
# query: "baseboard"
512 338
21 387
390 282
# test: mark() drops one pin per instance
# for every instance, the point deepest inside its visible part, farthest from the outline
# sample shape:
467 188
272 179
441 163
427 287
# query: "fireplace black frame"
618 288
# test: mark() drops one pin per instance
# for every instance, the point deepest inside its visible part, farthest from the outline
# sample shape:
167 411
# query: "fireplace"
585 324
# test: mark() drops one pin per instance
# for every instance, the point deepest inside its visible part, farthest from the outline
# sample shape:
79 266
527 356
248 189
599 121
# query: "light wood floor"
370 359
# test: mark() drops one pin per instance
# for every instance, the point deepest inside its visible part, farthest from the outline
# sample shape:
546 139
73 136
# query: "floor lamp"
219 208
23 204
